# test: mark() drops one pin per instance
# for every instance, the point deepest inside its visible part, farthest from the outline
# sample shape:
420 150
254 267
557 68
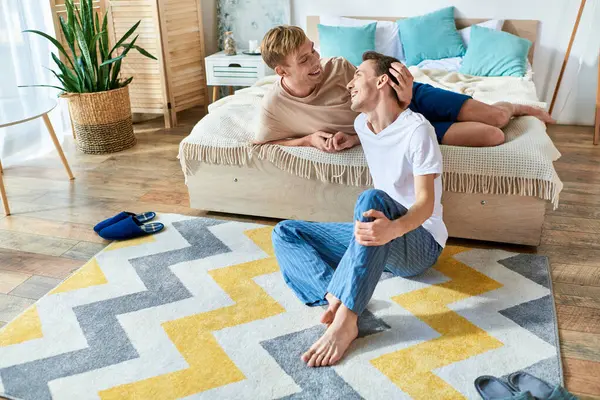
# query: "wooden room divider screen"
172 31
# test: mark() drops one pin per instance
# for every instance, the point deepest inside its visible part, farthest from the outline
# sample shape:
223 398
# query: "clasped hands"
333 142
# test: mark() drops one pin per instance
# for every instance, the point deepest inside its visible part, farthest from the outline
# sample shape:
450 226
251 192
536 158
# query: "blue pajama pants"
320 258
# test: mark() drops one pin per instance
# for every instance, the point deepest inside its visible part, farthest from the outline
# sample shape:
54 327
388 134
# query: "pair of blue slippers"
520 386
126 225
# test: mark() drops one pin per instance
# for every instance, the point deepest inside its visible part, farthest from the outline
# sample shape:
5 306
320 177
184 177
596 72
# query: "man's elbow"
430 212
428 206
262 137
259 138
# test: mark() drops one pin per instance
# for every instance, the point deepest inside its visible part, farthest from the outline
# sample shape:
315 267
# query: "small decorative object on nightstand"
229 44
238 70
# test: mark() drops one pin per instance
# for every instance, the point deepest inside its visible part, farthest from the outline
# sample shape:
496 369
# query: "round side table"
25 108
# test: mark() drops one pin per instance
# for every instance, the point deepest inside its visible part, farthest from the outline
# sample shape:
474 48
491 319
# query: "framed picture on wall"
250 19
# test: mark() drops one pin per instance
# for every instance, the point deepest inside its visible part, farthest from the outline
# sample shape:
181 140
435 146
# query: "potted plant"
98 97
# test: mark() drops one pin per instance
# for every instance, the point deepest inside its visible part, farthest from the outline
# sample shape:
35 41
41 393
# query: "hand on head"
376 75
404 87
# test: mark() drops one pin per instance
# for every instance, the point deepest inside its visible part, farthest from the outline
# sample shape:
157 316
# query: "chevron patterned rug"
200 311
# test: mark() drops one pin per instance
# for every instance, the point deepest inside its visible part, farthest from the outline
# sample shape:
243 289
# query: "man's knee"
371 199
500 117
493 136
285 230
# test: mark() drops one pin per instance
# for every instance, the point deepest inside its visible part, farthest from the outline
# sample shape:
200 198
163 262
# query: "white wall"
557 18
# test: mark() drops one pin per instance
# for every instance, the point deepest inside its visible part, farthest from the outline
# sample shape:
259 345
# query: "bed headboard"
523 28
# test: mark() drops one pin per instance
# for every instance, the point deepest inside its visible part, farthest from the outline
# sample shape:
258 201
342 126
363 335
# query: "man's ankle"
331 299
346 313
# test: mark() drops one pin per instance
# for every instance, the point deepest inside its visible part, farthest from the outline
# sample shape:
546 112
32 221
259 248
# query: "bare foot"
535 112
330 348
329 314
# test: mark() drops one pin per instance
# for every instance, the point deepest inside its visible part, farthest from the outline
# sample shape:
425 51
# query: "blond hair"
280 42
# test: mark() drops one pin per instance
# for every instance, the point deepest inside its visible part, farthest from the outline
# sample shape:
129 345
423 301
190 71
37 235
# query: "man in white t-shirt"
398 225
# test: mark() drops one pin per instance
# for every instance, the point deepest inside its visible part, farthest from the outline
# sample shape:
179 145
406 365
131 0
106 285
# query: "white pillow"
446 64
495 24
387 37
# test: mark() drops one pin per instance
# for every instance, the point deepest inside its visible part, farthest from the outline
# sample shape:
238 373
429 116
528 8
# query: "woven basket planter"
102 121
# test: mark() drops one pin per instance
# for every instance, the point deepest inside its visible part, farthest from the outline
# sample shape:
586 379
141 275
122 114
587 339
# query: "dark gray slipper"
539 389
492 388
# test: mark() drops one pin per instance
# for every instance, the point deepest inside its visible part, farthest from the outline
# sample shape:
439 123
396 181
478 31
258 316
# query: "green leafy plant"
91 67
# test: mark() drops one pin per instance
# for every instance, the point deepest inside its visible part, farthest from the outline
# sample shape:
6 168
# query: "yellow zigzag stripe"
209 365
26 327
121 244
411 368
89 275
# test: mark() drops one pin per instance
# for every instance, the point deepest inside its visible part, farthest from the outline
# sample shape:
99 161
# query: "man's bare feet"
534 112
329 314
330 348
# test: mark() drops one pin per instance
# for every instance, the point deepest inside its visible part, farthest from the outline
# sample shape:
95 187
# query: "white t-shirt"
406 148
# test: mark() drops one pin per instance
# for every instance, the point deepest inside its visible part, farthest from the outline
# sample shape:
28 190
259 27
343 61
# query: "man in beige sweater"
310 105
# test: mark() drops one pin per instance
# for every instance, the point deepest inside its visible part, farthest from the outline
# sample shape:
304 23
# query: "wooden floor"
50 232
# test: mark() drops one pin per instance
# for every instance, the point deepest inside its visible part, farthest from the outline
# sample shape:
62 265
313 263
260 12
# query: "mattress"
521 166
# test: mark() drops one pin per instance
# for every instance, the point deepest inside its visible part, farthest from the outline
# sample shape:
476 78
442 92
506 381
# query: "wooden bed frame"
262 189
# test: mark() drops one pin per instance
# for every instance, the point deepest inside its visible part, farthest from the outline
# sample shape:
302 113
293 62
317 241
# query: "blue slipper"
129 228
144 217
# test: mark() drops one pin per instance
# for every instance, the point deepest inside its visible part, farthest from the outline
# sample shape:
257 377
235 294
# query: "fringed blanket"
522 166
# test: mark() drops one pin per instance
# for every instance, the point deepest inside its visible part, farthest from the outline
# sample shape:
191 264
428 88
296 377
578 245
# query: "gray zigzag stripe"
547 370
537 316
531 266
108 344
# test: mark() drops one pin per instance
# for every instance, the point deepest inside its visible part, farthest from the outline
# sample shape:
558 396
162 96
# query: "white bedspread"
521 166
453 64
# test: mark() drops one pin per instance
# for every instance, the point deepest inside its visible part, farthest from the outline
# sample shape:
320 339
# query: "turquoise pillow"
349 42
495 53
431 36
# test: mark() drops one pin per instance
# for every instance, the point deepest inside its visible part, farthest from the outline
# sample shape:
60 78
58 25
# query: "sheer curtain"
24 56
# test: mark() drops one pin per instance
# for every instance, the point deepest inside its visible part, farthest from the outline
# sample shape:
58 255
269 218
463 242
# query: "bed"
493 194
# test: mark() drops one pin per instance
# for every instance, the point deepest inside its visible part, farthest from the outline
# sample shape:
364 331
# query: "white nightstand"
238 70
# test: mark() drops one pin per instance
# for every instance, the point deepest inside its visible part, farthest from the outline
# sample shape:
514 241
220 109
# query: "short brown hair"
280 42
383 63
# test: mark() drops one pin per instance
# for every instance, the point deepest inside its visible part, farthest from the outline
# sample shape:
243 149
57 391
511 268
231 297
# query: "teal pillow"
349 42
431 36
495 53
